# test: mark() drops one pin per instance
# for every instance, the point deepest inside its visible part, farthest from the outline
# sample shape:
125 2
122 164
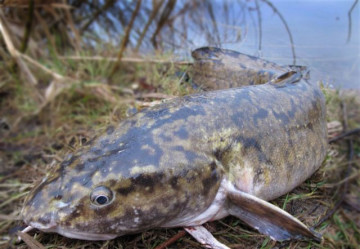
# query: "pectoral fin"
267 218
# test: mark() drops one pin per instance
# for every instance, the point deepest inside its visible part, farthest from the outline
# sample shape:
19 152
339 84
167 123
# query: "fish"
256 132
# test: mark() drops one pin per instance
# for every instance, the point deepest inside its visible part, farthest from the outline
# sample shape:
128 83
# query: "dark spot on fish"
174 183
261 114
252 143
68 222
104 142
73 215
209 182
125 191
257 176
45 219
80 167
157 113
281 116
110 129
166 138
310 126
314 110
96 151
182 133
218 153
178 148
191 156
213 166
95 159
249 142
287 153
66 163
291 113
136 151
242 65
190 177
147 180
238 117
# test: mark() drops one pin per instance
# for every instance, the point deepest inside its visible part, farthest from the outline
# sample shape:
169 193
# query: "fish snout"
45 218
45 222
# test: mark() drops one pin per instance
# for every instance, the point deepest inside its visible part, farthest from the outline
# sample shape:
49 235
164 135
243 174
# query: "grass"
90 102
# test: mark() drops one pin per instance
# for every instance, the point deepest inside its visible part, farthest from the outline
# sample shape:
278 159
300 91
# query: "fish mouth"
51 226
50 223
68 232
46 222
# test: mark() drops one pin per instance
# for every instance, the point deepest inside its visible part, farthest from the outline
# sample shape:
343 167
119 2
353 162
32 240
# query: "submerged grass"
34 135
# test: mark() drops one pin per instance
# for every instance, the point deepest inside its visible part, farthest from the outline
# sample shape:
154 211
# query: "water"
320 32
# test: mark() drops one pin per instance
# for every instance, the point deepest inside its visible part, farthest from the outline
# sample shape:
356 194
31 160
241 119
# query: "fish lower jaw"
51 228
84 235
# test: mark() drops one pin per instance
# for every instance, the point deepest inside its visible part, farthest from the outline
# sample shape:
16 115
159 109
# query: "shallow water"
320 32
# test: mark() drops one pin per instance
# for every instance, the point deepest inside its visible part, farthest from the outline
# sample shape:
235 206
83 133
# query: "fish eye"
101 196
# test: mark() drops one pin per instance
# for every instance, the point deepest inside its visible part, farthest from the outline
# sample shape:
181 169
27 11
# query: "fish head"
124 182
95 206
67 205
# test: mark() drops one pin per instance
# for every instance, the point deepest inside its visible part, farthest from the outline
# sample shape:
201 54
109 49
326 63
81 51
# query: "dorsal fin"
216 68
287 78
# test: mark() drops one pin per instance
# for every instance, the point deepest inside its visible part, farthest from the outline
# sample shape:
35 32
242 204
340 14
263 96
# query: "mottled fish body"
195 158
